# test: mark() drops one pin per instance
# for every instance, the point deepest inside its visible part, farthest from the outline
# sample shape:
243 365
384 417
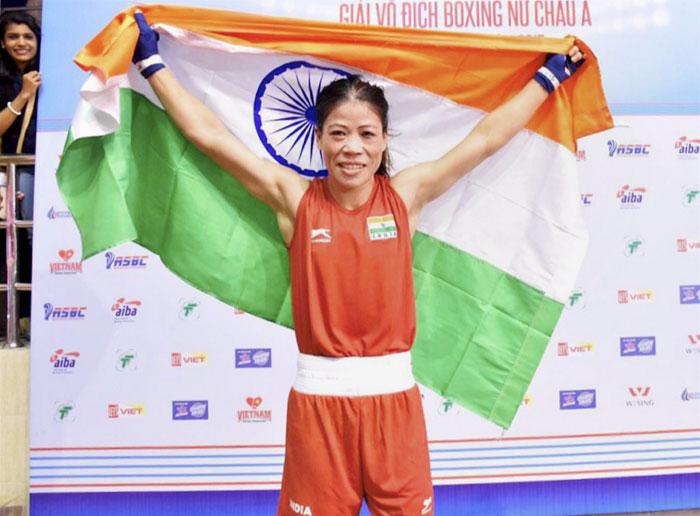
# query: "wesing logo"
53 213
631 197
690 196
254 414
115 262
447 407
577 299
189 309
564 349
687 148
577 399
687 395
178 359
634 247
126 360
65 266
645 295
116 411
63 361
689 294
188 410
683 245
253 358
125 311
64 313
65 411
640 397
628 150
637 346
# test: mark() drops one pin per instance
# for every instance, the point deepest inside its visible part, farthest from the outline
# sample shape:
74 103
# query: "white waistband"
354 376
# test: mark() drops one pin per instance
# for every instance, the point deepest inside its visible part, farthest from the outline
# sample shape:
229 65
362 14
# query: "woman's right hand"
30 83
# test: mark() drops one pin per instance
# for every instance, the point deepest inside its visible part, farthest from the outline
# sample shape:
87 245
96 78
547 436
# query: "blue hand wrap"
555 70
146 56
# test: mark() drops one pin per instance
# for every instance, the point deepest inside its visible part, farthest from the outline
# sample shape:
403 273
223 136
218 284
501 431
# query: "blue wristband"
555 70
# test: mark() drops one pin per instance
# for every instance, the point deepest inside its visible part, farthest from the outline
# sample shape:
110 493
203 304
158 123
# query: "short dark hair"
21 18
355 88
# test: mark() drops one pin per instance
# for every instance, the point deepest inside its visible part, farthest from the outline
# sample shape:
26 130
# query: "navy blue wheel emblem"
285 114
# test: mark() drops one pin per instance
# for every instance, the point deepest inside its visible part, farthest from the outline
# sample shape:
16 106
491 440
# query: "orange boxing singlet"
351 274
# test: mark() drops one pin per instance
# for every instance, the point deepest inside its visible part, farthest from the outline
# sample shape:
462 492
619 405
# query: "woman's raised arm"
275 185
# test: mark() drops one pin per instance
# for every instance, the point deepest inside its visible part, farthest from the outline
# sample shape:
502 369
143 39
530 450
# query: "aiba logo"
687 148
126 360
125 262
117 410
693 348
53 213
189 309
577 399
65 266
587 199
629 197
254 414
196 359
64 412
190 409
689 294
687 395
64 313
645 295
634 247
691 195
564 349
63 362
637 346
577 299
639 397
628 150
684 245
254 358
126 311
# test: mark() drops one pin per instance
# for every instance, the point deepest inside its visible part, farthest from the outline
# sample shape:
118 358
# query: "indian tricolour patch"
381 227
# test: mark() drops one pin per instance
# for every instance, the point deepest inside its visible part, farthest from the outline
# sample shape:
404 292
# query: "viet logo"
190 409
631 197
634 246
125 311
64 411
689 294
564 349
637 346
687 148
63 362
189 309
120 410
381 227
125 262
687 395
65 266
253 358
639 397
254 414
53 213
684 245
577 299
587 199
690 196
284 114
577 399
126 360
64 313
645 295
628 150
195 359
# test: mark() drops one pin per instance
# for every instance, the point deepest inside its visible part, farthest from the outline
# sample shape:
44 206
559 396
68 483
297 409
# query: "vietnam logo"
284 113
65 266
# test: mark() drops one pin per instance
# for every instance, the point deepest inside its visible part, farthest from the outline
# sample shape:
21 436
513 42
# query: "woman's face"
20 43
352 141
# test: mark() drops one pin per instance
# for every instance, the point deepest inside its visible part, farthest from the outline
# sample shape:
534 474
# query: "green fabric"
481 332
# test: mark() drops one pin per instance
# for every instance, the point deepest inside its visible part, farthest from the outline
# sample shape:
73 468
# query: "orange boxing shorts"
351 445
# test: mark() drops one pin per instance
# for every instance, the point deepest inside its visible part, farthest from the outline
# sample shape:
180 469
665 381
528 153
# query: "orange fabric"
352 295
340 450
479 71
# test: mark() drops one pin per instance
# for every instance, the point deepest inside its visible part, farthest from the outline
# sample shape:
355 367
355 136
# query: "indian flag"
495 258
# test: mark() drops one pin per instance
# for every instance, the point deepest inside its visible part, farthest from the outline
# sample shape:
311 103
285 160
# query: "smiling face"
20 43
353 142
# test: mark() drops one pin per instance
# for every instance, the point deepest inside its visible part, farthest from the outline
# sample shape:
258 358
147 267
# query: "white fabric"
354 376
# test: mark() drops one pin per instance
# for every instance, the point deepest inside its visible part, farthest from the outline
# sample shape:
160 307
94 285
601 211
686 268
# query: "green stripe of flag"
481 332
